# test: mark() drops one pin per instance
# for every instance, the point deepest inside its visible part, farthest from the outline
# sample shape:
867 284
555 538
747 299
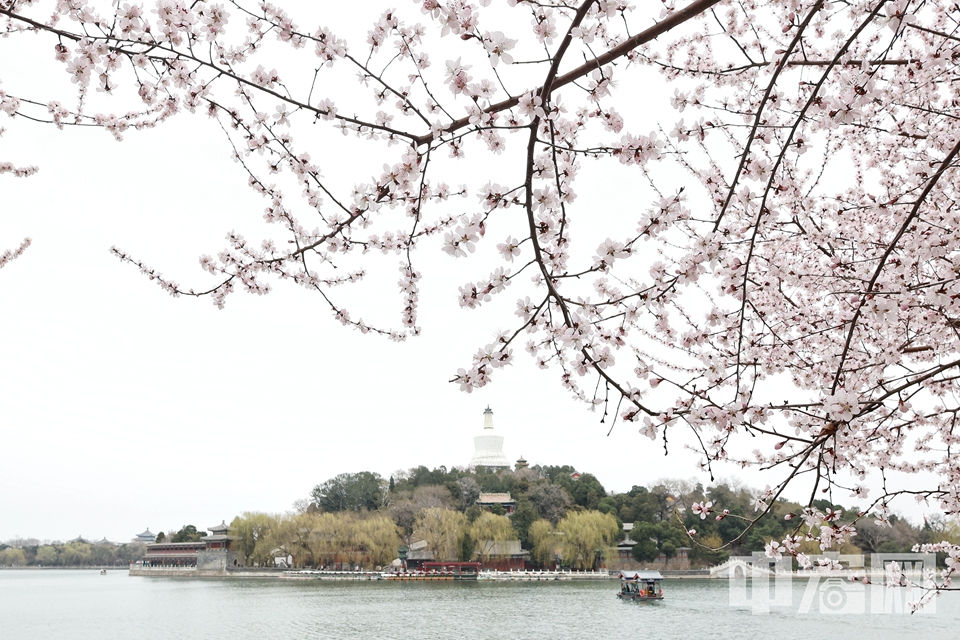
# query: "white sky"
122 408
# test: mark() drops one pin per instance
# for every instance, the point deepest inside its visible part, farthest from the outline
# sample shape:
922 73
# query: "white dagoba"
488 446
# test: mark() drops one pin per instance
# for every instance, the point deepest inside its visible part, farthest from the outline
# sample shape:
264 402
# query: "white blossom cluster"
794 284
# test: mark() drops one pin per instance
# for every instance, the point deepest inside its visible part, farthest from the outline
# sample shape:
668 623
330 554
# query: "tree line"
20 552
560 515
753 273
14 553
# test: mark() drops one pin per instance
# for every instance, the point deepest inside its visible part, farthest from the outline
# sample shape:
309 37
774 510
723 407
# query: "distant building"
418 554
211 554
172 554
488 447
80 539
522 464
503 556
145 537
487 501
625 548
219 537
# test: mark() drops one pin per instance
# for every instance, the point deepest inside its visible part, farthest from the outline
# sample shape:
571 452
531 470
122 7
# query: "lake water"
83 605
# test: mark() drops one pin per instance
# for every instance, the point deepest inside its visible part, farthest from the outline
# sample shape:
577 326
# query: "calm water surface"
83 605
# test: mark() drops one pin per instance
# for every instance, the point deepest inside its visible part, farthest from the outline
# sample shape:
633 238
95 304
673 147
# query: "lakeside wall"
309 574
193 572
98 567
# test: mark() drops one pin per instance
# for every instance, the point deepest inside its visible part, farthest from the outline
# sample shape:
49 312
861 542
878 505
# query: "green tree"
326 537
708 550
252 529
654 539
585 537
607 505
12 556
380 539
75 554
489 530
351 492
466 547
291 537
188 533
556 474
587 491
473 512
638 504
522 519
443 530
47 555
546 542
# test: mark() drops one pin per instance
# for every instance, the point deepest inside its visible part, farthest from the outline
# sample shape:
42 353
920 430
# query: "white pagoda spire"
488 446
487 418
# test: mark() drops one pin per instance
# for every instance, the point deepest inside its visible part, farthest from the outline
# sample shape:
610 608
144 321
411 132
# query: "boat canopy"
640 575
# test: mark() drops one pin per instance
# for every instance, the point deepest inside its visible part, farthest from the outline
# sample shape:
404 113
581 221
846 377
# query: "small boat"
640 585
103 572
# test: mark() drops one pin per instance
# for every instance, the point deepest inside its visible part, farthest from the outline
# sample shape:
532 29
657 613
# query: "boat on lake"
640 585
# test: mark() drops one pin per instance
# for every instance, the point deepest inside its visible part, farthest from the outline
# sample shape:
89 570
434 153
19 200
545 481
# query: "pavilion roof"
494 498
504 548
223 527
640 575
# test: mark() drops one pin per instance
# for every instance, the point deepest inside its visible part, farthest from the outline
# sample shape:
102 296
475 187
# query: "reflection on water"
83 605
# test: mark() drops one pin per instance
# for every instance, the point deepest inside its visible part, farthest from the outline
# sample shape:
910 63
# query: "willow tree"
292 536
488 531
767 264
443 531
585 537
379 538
546 542
332 537
14 557
254 543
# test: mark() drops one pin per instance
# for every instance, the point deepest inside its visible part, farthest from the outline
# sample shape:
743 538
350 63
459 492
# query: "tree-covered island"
557 515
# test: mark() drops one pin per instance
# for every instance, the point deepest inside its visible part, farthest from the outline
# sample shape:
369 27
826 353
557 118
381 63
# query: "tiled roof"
495 498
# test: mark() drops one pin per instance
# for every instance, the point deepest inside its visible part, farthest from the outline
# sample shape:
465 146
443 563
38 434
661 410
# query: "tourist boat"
640 585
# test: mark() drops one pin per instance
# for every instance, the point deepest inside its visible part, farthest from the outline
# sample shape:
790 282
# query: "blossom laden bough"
784 272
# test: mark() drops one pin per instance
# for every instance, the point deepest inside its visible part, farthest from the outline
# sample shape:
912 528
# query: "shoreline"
311 574
108 567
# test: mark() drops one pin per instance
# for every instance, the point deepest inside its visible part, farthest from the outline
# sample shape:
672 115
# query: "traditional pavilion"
219 538
172 554
487 501
488 447
210 553
146 537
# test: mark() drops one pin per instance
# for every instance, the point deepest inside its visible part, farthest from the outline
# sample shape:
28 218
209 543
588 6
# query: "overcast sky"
122 408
